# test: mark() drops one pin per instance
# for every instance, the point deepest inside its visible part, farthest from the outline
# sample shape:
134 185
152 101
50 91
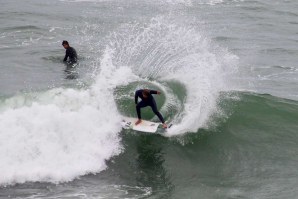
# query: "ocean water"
227 71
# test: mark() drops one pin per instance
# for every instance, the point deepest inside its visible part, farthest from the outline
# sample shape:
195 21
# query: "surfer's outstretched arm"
154 92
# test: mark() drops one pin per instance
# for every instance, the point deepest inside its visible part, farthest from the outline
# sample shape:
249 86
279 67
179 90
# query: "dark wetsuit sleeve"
153 92
66 55
137 95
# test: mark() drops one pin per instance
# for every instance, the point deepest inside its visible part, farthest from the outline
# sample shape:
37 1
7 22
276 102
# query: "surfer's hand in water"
138 122
164 125
158 93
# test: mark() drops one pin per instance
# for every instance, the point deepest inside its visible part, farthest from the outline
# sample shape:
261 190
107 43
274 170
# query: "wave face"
250 150
250 153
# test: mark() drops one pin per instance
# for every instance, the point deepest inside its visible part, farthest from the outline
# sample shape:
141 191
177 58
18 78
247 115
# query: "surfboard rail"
144 126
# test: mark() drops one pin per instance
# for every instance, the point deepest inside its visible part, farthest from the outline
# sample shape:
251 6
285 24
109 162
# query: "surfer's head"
65 44
146 93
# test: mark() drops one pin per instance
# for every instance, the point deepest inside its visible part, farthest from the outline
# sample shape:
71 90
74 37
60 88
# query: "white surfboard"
144 126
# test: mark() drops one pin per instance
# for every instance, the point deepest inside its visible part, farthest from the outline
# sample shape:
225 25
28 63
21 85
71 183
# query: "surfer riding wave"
147 100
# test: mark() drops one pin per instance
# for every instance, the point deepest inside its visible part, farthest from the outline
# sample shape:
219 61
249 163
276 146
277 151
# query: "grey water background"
250 154
262 34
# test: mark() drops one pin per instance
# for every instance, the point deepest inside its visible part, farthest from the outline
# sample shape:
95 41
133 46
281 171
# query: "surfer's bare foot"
138 122
164 125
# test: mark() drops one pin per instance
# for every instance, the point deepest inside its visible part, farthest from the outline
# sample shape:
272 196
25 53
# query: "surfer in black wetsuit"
147 100
71 63
69 53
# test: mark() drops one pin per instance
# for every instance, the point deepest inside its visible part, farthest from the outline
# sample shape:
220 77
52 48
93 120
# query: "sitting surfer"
147 100
69 53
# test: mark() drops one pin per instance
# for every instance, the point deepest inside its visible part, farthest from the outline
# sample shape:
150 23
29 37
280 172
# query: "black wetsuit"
149 101
72 54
